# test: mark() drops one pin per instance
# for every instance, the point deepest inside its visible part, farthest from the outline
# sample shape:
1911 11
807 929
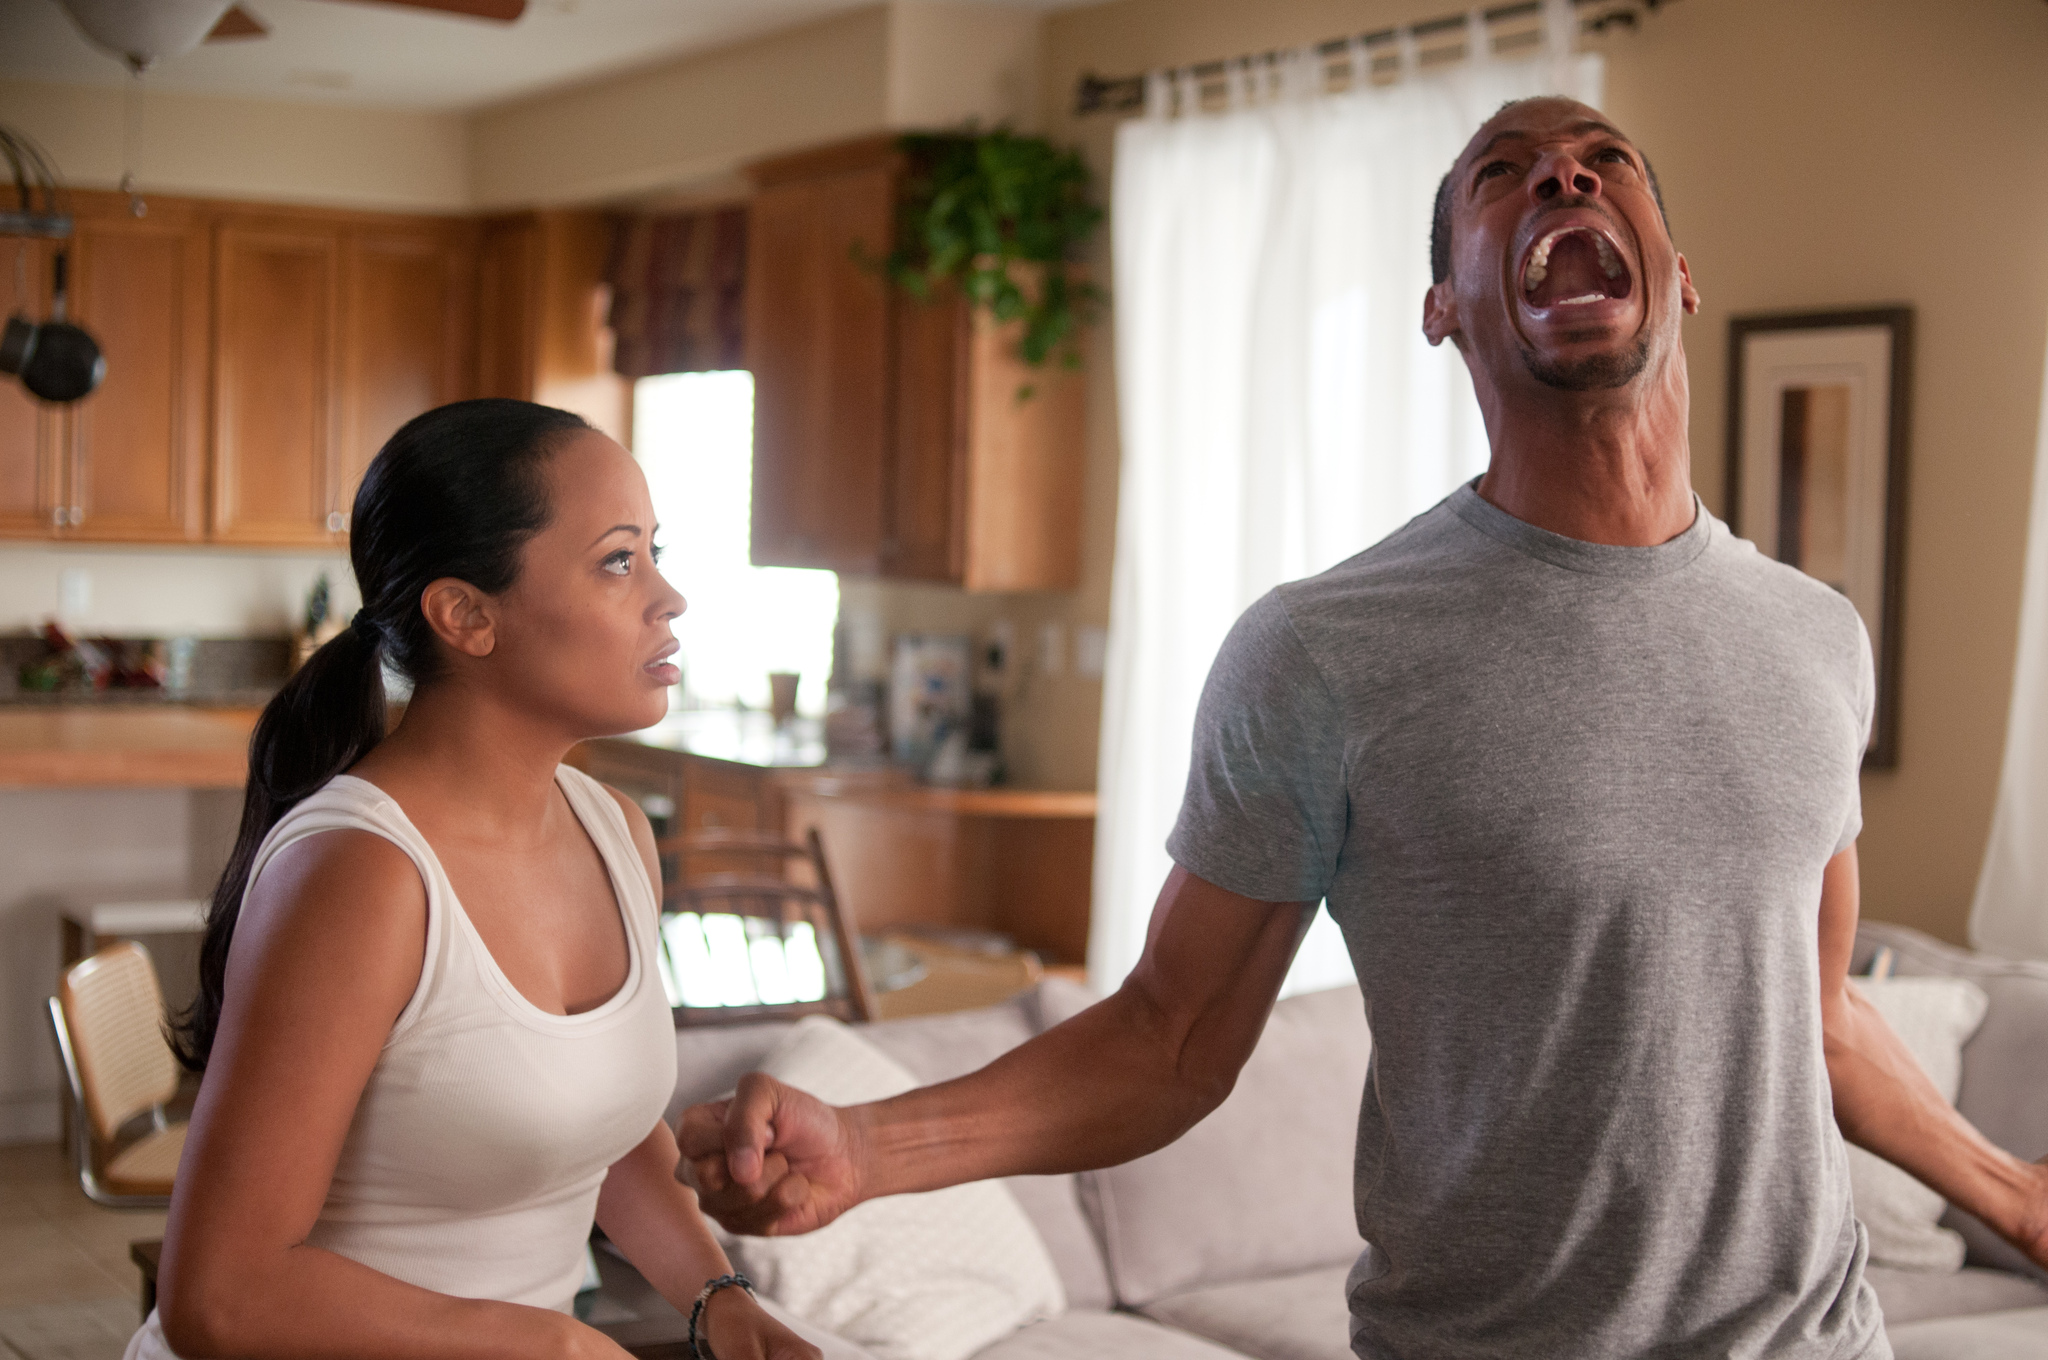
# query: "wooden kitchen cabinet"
257 359
407 313
128 463
330 333
889 434
134 455
277 285
31 433
817 342
683 794
541 317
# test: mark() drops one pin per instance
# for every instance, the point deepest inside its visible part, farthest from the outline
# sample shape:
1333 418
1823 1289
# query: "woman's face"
582 635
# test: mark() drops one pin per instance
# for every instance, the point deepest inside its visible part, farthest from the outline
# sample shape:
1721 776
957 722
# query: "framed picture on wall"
1819 406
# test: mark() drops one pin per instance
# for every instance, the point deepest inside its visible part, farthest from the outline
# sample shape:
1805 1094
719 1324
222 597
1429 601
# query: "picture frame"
1819 414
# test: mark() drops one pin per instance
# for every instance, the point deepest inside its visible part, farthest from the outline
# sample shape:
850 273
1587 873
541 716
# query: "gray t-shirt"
1570 804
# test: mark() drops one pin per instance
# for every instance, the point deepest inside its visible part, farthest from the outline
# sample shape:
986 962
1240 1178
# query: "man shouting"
1576 771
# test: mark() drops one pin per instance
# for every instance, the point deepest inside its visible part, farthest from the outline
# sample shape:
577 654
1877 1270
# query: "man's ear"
1688 295
460 615
1440 315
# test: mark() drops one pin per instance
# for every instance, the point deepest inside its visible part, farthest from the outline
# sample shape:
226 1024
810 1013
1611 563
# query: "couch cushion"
2020 1335
1262 1187
1102 1336
711 1060
1913 1295
2005 1067
1295 1317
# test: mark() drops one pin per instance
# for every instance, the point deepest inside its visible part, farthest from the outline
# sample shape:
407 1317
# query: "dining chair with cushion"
108 1018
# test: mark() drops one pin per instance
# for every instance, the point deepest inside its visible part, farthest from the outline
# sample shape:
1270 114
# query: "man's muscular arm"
1885 1103
1125 1077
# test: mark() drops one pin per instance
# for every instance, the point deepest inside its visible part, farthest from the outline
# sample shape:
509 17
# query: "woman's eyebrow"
632 529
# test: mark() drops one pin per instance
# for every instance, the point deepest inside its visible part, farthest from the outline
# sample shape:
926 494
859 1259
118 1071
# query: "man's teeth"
1539 261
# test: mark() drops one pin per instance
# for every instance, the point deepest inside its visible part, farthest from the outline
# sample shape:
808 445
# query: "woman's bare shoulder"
345 902
642 832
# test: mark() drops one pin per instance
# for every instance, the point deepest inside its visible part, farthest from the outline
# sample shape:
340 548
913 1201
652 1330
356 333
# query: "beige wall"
1815 153
685 121
953 63
246 148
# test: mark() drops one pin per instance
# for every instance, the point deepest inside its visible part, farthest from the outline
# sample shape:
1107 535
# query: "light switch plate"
74 594
1052 648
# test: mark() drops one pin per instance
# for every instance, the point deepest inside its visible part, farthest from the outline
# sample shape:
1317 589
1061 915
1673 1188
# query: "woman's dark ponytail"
455 493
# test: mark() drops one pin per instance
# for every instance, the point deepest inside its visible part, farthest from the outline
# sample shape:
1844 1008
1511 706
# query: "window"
694 436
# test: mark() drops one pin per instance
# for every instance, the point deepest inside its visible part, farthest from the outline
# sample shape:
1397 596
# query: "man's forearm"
1886 1104
1113 1083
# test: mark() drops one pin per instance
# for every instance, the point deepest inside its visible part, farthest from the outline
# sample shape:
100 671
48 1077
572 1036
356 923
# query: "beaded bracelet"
697 1347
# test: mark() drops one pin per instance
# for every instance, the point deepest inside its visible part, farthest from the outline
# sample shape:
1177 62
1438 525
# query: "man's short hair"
1440 217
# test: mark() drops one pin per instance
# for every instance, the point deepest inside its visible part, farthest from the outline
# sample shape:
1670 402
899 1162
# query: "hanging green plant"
976 205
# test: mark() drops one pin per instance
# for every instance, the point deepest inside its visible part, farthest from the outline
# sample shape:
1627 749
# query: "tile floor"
67 1288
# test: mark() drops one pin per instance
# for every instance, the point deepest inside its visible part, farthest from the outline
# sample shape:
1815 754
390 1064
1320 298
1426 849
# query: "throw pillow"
935 1276
1934 1017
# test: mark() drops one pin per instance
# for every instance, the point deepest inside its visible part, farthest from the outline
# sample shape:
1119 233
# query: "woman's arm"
326 954
655 1220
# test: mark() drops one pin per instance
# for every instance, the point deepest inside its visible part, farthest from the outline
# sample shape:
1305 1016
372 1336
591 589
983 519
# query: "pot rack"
34 177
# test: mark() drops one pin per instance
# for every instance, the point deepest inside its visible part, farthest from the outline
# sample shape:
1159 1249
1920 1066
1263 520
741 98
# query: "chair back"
113 1013
769 903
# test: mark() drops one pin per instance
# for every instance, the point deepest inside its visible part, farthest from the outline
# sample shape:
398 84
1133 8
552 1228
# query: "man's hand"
772 1161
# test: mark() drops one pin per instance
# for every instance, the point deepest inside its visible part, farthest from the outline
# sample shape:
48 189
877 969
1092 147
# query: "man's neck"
1600 472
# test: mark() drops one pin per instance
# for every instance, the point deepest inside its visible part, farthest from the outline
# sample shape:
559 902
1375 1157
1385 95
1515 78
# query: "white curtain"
1280 410
2010 914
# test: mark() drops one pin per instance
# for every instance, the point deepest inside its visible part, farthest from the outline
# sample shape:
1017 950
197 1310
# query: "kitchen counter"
748 737
124 746
896 789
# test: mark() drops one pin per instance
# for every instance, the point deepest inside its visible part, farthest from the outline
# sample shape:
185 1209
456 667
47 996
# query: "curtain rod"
1120 94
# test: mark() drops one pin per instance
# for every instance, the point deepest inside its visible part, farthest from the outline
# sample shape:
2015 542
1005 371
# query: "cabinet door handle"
60 516
334 522
77 515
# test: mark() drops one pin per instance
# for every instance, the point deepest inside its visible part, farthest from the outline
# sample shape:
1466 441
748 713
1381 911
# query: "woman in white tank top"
435 1040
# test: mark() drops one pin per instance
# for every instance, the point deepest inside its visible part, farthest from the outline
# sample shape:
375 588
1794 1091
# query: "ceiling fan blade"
238 23
502 11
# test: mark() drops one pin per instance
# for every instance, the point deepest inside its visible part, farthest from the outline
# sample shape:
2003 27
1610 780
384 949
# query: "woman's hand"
582 1342
738 1328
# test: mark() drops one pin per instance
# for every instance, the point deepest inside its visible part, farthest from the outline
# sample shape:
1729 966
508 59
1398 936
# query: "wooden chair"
107 1018
768 902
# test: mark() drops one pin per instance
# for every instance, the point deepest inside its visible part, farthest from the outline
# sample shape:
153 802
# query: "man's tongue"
1574 272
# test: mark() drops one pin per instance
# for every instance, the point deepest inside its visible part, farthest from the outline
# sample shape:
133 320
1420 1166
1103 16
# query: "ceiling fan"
143 32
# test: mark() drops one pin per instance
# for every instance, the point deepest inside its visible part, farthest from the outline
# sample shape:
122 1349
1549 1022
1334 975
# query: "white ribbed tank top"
473 1161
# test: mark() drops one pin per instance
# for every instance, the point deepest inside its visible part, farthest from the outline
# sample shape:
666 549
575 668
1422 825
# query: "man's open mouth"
1574 266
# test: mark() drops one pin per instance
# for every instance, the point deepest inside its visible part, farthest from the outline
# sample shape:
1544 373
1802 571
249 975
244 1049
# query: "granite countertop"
251 697
222 673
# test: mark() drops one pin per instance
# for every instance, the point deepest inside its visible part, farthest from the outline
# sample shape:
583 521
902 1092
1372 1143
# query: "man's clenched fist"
772 1160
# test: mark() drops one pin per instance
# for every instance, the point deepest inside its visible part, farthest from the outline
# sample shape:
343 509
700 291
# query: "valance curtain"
1280 408
678 282
2010 913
